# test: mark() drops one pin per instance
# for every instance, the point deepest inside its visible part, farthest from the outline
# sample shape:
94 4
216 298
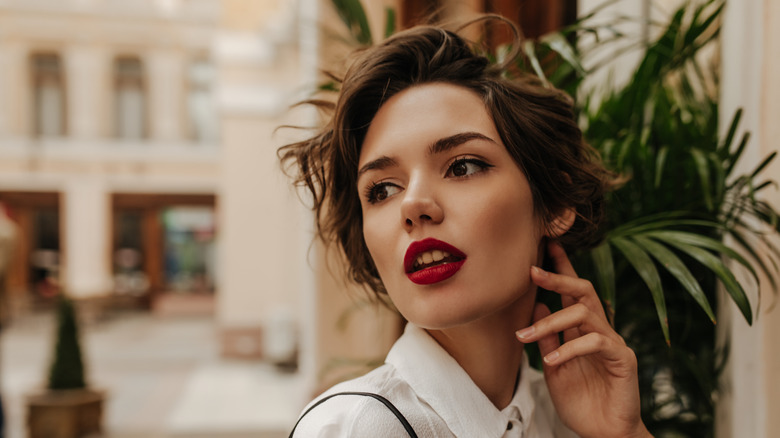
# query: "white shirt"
436 396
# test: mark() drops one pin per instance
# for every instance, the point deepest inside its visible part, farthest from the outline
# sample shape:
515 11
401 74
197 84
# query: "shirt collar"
450 391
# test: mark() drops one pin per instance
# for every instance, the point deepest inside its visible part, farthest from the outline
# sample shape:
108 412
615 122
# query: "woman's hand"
592 377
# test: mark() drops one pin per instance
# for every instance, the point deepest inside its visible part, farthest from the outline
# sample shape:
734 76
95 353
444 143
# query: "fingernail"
525 333
539 271
551 358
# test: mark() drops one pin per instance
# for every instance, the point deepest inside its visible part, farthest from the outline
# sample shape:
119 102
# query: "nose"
420 206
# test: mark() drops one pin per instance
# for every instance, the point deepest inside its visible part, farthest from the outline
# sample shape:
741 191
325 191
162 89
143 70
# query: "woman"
455 190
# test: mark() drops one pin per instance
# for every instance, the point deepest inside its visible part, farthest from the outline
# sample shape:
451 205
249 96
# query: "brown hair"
536 124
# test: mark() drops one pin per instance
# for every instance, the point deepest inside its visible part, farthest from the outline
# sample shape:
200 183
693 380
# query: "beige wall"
770 133
750 68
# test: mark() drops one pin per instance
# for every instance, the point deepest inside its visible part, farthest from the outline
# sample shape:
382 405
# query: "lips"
430 261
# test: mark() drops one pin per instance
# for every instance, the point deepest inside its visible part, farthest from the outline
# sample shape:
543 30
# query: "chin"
435 316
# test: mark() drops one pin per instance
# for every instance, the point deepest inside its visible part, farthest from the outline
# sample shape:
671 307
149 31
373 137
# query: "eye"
463 167
378 192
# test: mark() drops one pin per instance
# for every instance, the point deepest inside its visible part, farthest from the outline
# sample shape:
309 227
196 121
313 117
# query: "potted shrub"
67 408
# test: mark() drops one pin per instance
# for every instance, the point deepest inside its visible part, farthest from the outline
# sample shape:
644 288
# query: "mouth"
430 261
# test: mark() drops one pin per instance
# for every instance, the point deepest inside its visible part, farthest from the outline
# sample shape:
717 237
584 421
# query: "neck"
488 350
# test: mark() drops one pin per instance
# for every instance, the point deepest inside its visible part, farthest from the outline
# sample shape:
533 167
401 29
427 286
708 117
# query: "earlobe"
561 224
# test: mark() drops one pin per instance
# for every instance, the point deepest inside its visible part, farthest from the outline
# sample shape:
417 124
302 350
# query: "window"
200 103
190 265
129 275
48 95
130 102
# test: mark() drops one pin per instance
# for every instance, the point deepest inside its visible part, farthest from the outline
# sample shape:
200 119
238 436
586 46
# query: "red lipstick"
437 272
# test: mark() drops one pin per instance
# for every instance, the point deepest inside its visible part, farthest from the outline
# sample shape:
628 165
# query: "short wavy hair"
536 124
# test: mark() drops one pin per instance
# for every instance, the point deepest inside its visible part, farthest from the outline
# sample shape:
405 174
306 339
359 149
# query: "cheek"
377 233
511 226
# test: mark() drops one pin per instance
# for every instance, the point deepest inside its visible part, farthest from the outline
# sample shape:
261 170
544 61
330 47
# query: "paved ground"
163 375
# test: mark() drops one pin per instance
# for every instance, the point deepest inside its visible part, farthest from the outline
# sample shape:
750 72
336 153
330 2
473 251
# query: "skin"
472 195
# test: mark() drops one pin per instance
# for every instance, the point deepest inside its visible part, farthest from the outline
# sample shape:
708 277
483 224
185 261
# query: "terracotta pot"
65 413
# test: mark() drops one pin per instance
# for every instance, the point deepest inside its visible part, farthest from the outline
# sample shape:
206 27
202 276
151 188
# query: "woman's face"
447 214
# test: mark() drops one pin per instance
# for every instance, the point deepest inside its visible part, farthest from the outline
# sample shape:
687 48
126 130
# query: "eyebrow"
437 147
447 143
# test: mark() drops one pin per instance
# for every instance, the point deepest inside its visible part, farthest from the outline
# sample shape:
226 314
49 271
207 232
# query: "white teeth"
431 256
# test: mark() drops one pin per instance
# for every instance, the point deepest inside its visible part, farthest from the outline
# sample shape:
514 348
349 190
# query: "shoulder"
343 412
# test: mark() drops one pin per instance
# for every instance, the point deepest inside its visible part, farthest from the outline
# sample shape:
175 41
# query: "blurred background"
138 174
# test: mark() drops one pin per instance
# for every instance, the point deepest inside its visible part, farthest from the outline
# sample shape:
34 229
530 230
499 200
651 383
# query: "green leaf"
677 268
737 154
725 275
660 161
530 52
645 267
561 45
763 164
648 224
605 272
389 22
692 239
703 170
726 144
740 239
353 15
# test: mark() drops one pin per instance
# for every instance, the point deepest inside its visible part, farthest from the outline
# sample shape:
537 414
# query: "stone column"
165 93
86 216
86 73
15 90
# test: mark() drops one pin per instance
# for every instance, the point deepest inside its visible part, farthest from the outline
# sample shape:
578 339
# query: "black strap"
386 402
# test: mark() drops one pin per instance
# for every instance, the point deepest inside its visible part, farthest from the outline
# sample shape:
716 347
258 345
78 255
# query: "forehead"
425 113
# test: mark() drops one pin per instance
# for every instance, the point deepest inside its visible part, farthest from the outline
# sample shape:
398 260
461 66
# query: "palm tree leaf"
737 154
605 273
726 144
353 16
692 239
647 224
725 275
763 164
529 49
720 178
646 269
703 170
389 22
660 161
740 239
677 268
558 43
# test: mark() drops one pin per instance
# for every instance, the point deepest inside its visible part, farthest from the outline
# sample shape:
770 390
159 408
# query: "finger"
561 264
593 344
571 289
574 321
550 343
560 260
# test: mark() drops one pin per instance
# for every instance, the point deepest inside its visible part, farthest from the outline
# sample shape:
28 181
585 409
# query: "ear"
561 223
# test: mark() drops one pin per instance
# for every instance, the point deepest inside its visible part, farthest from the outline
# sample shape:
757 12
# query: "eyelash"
467 160
372 192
